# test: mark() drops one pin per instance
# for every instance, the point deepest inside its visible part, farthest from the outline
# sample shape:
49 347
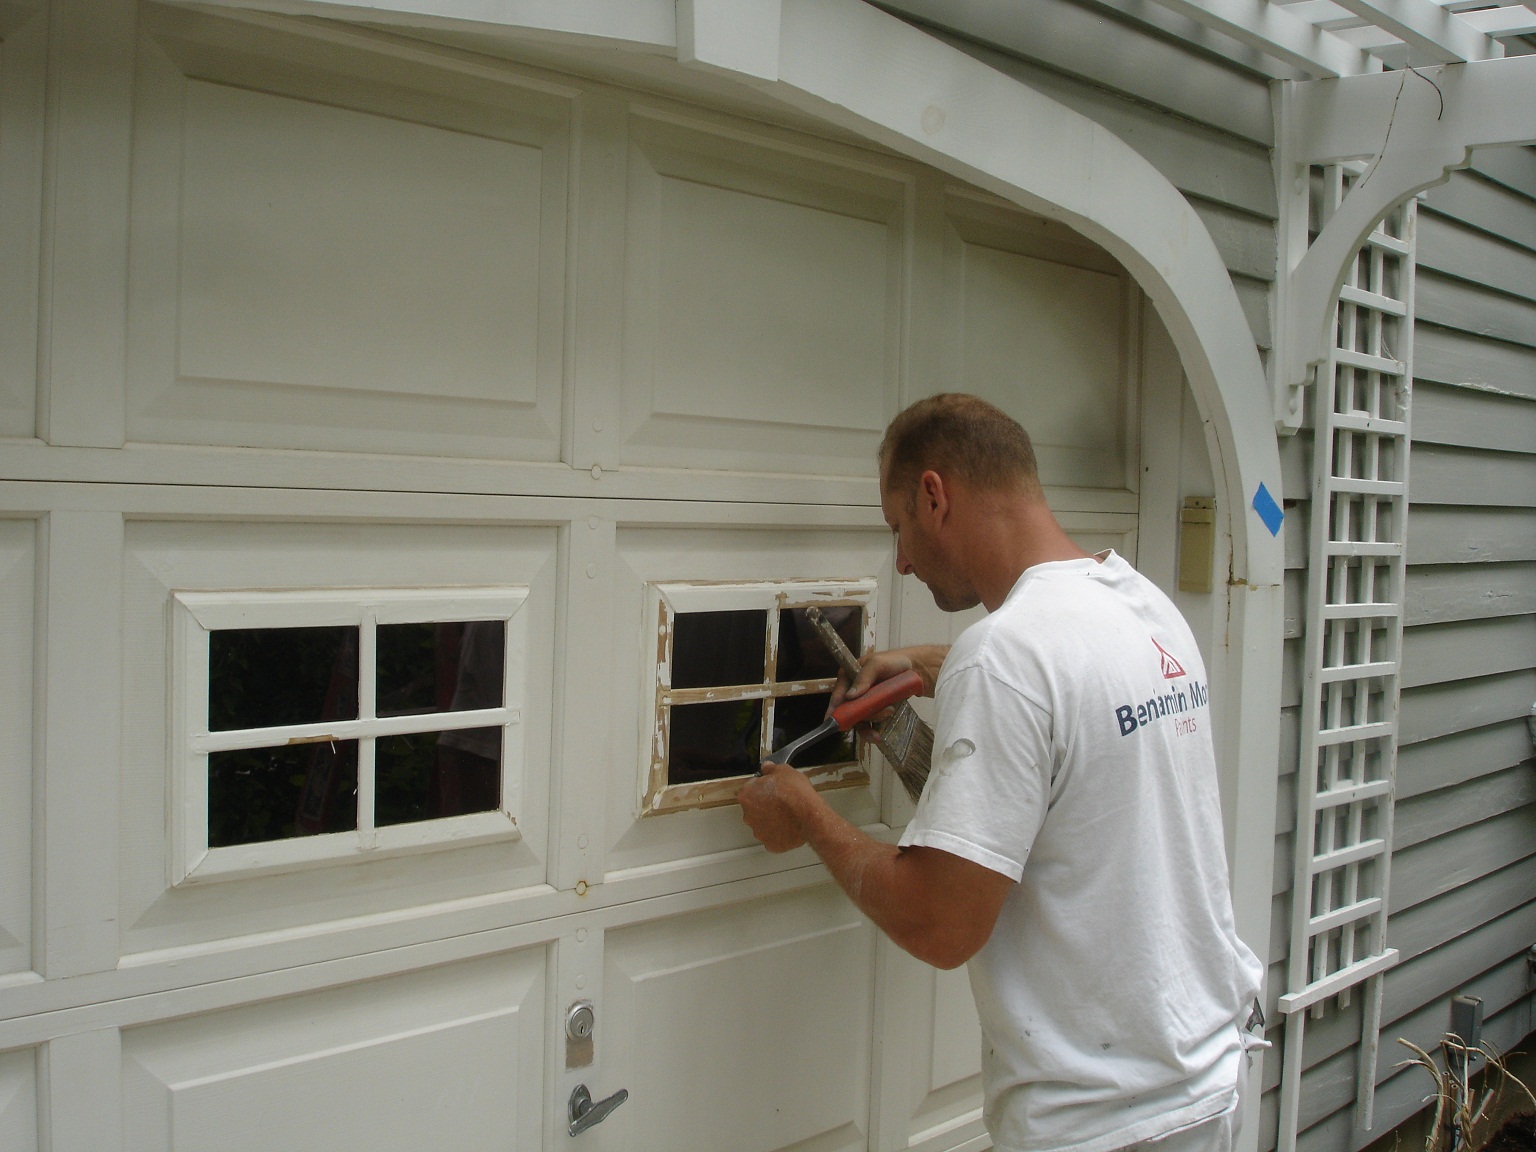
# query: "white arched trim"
865 71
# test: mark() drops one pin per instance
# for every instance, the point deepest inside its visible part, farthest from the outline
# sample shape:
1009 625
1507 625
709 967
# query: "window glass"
794 716
717 649
428 775
803 655
259 794
440 667
715 740
263 677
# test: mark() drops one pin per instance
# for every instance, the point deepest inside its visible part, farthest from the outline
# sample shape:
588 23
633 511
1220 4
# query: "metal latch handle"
585 1114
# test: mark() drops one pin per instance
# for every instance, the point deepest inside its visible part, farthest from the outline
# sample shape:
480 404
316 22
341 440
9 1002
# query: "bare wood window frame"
664 601
195 615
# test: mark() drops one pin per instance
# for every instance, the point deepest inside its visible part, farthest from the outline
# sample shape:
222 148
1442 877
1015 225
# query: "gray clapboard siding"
1461 756
1451 248
1453 357
1470 308
1440 709
1434 814
1433 923
1246 243
1515 168
1440 474
1486 205
1441 592
1073 40
1423 871
1437 653
1296 466
1450 414
1200 161
1447 534
1329 1088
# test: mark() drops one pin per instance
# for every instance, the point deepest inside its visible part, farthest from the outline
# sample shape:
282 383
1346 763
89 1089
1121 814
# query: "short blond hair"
959 436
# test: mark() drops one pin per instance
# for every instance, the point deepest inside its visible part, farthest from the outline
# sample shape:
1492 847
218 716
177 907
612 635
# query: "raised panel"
444 1058
163 557
705 555
1041 324
944 1093
746 1027
762 303
351 252
23 32
18 1101
18 572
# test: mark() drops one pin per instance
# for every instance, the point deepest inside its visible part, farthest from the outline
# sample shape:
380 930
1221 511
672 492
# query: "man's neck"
1013 535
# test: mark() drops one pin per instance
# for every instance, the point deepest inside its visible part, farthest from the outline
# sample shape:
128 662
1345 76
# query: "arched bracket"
1415 127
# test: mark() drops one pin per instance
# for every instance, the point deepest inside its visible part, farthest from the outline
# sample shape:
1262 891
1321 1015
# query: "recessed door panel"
18 1100
746 1027
342 250
18 561
763 304
444 1058
23 52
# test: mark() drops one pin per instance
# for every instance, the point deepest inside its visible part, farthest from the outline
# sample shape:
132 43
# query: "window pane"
713 649
430 774
440 667
802 653
277 793
711 741
794 716
263 677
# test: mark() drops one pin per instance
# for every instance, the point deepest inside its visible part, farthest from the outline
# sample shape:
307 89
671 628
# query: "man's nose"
903 565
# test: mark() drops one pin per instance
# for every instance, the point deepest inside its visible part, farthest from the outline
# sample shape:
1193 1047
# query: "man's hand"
924 659
771 805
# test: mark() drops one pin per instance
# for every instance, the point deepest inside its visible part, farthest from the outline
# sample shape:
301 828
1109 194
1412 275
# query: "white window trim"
195 614
663 602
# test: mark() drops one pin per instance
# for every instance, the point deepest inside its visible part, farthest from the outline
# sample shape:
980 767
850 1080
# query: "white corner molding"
1414 128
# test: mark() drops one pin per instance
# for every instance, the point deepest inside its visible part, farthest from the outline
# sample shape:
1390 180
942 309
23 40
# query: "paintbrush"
904 739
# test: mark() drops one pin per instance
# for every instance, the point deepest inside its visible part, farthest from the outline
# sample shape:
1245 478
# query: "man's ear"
932 496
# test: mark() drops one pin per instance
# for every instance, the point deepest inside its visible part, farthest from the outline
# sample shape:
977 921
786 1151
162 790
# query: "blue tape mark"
1269 512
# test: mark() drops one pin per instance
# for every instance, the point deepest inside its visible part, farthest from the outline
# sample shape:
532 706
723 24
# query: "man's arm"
938 906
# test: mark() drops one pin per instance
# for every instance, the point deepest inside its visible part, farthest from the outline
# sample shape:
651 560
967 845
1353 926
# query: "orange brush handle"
877 699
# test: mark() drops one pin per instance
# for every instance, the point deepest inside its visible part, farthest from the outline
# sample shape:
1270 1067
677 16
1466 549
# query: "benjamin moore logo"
1172 669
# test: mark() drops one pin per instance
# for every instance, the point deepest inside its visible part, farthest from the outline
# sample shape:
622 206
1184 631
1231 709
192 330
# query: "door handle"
586 1114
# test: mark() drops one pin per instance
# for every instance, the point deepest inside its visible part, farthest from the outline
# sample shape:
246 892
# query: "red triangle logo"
1172 669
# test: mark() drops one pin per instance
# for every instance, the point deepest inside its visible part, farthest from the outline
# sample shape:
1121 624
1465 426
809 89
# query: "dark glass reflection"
277 793
440 667
262 677
715 649
712 741
802 653
794 716
427 775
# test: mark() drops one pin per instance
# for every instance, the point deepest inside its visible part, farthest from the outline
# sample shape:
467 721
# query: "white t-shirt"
1073 754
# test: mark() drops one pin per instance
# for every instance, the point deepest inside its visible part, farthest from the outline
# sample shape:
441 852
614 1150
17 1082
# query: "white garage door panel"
341 251
18 1101
23 51
946 1078
1041 328
18 563
720 555
166 556
745 1028
338 249
446 1058
762 307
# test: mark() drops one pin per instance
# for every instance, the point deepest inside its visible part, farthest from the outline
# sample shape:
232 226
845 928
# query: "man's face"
918 552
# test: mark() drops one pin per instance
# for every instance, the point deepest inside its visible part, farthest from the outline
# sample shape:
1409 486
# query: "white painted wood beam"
1417 127
1434 35
1274 30
1510 20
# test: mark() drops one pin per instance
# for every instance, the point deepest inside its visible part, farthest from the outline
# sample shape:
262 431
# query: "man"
1068 843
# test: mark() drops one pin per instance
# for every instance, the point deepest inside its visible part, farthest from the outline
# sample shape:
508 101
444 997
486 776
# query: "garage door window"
316 726
739 672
